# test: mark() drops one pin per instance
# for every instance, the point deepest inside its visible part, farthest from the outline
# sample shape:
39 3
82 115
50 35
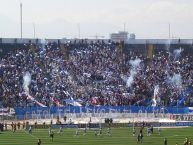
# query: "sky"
88 18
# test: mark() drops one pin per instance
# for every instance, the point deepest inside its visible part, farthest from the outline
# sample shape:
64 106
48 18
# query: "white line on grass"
166 136
31 135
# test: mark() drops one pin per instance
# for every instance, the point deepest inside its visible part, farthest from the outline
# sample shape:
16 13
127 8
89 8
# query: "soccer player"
6 126
159 130
30 130
100 131
77 132
60 130
95 133
85 129
14 128
39 142
23 125
52 136
165 141
138 139
141 130
109 131
151 129
148 131
141 137
186 141
189 143
134 131
49 130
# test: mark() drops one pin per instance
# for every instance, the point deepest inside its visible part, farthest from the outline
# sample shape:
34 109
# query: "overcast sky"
62 18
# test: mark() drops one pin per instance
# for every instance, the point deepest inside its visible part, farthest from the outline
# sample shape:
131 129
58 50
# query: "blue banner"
57 126
30 111
184 123
164 124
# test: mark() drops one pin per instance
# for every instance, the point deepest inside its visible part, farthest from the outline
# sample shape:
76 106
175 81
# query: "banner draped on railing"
7 111
99 109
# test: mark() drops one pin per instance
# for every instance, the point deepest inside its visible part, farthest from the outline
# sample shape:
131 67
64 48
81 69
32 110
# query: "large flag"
72 102
184 96
56 102
33 99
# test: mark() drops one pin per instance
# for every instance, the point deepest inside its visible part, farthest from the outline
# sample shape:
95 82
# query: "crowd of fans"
95 74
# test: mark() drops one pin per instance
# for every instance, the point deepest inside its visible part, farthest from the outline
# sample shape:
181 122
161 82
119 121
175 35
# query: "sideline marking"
31 135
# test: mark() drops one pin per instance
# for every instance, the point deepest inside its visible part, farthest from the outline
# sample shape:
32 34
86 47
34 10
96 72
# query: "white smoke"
26 82
155 96
156 91
131 78
177 53
134 65
176 81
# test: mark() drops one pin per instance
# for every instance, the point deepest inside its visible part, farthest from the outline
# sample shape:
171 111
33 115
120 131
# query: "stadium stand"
96 73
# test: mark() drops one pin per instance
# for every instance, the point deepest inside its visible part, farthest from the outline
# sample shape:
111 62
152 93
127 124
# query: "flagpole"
21 20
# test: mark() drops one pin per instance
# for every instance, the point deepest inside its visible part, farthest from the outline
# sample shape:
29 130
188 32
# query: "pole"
169 31
21 18
34 30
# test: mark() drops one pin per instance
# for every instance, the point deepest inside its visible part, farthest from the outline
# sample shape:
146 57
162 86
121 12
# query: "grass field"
120 136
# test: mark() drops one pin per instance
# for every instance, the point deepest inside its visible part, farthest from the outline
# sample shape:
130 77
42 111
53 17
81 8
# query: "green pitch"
120 136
